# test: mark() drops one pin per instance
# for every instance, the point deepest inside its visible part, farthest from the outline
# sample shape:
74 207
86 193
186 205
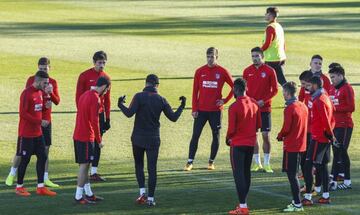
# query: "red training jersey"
261 84
87 118
30 113
322 118
343 98
305 97
207 88
294 129
54 97
244 121
87 80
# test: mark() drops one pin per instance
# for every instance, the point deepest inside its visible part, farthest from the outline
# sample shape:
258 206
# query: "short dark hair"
290 87
257 49
212 50
273 10
44 61
317 56
339 70
152 79
240 85
102 80
99 55
41 74
306 76
317 80
334 64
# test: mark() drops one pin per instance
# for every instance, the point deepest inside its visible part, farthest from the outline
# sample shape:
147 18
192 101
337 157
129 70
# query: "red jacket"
87 80
294 129
54 97
30 113
207 88
326 83
244 121
322 118
261 84
87 118
305 97
343 99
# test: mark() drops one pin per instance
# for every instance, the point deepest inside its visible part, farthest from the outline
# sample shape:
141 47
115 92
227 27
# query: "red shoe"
84 201
43 191
141 199
21 191
94 198
239 211
339 178
97 178
307 202
323 200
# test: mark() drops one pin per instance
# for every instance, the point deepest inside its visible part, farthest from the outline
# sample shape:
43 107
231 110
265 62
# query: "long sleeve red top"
30 113
207 88
54 97
343 98
261 84
244 121
322 118
87 80
294 129
87 118
305 97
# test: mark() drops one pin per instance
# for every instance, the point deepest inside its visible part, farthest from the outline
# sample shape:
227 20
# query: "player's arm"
286 128
195 94
325 119
54 96
231 124
230 82
349 105
302 94
107 104
274 87
80 88
134 106
169 113
270 35
25 106
29 82
94 118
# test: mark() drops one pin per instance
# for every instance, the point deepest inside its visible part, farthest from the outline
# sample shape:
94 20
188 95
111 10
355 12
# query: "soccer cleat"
43 191
339 178
150 203
97 178
301 176
10 180
188 167
211 166
267 169
323 200
256 167
239 211
344 187
307 202
94 198
141 199
49 183
333 186
293 208
21 191
84 201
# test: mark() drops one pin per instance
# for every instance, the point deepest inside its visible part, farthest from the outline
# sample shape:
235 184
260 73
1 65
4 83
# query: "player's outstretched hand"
121 100
183 100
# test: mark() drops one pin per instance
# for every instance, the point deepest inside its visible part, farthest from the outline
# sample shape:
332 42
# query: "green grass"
168 38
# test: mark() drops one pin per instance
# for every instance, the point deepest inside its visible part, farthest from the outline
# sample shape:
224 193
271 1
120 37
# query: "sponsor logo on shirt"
210 84
38 107
203 76
263 74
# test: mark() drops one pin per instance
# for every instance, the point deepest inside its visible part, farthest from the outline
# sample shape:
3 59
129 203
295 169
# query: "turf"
168 38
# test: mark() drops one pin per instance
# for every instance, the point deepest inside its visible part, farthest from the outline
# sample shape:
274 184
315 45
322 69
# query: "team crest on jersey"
263 74
217 76
310 104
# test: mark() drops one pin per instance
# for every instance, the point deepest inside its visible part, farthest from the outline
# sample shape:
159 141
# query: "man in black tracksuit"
148 105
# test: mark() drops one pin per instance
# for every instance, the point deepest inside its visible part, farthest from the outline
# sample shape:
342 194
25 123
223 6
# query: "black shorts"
318 153
102 123
278 66
84 151
30 145
265 121
291 161
47 134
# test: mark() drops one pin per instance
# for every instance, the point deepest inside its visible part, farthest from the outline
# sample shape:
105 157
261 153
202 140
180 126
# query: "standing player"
274 44
322 136
30 139
293 133
50 95
147 107
207 104
86 136
342 96
86 81
261 86
244 121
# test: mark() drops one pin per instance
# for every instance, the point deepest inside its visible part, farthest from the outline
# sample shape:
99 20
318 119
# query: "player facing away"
147 107
50 96
274 44
86 81
293 135
86 136
322 125
262 86
30 140
244 121
207 104
343 98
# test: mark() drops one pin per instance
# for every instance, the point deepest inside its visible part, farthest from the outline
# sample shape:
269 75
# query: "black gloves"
121 100
107 124
183 101
228 142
